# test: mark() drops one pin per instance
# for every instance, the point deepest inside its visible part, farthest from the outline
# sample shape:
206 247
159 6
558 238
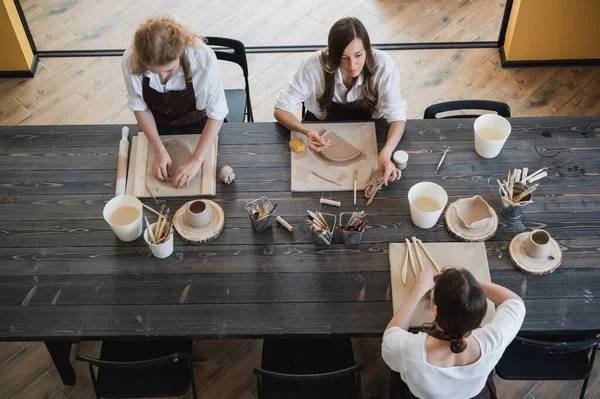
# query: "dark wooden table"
65 277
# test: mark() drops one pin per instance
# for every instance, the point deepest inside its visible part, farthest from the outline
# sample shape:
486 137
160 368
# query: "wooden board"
361 135
140 170
470 256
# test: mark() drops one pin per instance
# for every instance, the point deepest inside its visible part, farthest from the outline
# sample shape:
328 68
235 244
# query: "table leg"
60 353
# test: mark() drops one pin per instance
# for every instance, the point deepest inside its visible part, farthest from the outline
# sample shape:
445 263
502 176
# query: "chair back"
232 50
500 108
552 347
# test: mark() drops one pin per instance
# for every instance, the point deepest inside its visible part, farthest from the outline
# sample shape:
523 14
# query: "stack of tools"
261 213
353 229
164 227
321 230
514 189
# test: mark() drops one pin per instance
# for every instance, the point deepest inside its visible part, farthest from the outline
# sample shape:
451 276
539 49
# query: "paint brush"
442 160
355 178
326 178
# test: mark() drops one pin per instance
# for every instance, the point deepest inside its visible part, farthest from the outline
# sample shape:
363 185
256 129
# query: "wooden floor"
102 24
91 90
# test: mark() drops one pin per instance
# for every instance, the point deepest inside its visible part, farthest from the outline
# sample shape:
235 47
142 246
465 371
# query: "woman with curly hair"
172 79
348 80
455 356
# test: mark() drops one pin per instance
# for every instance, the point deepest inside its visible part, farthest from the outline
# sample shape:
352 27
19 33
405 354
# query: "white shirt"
206 81
309 83
405 353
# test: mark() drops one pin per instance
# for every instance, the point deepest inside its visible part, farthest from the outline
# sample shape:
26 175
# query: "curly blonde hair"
159 41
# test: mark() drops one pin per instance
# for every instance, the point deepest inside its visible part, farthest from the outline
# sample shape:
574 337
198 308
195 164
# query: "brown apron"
173 108
399 389
341 112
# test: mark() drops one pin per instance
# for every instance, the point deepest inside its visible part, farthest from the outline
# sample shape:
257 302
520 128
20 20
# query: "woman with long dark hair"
172 79
348 80
455 356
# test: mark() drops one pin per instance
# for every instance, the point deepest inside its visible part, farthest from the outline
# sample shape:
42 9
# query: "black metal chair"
238 100
143 369
308 368
500 108
549 358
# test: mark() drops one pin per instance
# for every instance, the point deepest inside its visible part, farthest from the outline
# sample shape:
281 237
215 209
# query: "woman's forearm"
290 121
209 134
405 314
395 133
497 293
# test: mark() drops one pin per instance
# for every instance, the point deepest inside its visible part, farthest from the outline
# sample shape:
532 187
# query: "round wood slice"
202 235
483 232
529 265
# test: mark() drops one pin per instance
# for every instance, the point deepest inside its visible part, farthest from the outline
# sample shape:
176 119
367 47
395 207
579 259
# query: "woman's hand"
162 163
387 170
314 137
186 172
425 281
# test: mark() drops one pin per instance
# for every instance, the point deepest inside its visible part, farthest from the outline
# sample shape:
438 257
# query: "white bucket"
159 250
491 132
421 218
127 232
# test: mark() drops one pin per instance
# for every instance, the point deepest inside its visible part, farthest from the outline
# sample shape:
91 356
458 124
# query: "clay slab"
360 135
470 256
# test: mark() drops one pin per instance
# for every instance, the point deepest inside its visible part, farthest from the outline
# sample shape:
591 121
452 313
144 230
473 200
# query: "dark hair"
461 306
340 35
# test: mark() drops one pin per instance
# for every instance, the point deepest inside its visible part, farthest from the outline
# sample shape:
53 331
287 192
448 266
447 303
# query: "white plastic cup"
159 250
128 232
486 147
420 218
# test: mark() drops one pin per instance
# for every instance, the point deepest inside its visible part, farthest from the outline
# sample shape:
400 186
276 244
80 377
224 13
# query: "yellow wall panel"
553 30
14 47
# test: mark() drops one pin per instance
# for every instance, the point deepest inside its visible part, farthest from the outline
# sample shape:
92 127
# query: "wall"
14 47
553 30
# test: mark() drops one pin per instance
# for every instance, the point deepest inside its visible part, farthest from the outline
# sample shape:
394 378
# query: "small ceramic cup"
159 250
538 244
198 214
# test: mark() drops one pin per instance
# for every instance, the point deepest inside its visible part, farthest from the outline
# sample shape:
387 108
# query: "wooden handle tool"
410 255
122 162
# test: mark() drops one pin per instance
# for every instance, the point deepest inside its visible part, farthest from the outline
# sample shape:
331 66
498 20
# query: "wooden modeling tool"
122 162
428 255
524 175
285 224
325 178
537 172
537 177
442 160
410 255
152 210
379 186
151 192
330 202
525 193
405 268
414 240
322 145
355 178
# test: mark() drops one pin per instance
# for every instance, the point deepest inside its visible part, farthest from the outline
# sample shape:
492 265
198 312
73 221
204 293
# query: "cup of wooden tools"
124 215
515 192
159 237
322 226
261 212
352 225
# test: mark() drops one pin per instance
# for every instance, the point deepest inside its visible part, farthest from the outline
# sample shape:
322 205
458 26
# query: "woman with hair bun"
172 79
455 356
348 80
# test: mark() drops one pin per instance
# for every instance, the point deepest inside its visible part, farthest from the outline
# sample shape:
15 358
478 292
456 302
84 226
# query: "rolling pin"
122 162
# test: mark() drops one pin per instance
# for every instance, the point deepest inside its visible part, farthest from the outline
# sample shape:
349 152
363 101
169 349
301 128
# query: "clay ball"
226 174
297 145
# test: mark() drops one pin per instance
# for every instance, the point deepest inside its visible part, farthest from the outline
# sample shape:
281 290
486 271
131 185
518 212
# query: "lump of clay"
340 150
226 174
297 145
180 152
